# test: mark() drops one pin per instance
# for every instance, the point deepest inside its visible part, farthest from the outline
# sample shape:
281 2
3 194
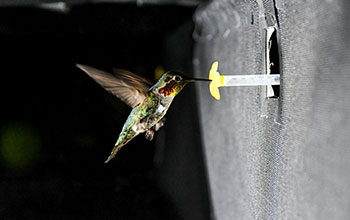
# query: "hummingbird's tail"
115 150
124 137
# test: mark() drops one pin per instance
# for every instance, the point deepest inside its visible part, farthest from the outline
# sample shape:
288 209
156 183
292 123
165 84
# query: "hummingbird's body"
149 104
145 117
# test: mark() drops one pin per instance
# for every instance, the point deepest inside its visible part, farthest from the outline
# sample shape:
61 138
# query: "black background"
58 125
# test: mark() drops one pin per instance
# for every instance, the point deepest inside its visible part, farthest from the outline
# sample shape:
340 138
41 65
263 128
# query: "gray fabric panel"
285 158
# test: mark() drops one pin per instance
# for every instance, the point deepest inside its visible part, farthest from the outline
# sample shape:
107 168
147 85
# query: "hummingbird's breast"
161 108
155 109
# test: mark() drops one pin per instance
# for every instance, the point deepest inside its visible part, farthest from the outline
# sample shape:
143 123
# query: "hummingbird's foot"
149 134
160 124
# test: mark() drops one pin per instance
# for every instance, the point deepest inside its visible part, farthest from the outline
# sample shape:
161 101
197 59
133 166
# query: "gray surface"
285 158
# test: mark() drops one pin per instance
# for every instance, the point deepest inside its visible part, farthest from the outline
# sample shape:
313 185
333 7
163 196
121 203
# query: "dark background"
280 158
58 126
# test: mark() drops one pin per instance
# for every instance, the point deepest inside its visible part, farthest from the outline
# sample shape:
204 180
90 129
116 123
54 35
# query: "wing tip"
82 67
91 71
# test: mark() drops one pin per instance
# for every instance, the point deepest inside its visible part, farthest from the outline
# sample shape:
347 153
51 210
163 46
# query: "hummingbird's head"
172 82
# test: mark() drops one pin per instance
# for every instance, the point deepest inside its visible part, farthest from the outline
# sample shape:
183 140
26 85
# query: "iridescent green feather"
140 119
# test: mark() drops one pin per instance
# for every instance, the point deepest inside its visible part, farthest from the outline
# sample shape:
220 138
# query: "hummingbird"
149 103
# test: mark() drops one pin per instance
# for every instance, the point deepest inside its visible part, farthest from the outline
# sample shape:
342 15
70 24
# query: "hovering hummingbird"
149 103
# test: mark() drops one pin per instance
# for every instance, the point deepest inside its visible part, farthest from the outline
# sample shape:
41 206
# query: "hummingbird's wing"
128 87
132 79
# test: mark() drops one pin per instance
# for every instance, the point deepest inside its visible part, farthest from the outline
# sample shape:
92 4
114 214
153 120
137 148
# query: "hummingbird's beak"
190 79
200 79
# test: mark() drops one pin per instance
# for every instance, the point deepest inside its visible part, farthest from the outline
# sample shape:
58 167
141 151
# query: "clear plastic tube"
252 80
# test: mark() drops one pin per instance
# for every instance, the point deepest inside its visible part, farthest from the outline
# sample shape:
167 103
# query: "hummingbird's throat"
168 89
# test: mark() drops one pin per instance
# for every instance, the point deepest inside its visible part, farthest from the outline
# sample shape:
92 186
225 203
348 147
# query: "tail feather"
123 139
114 152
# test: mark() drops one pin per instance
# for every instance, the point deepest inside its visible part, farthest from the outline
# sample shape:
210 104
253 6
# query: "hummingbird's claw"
149 134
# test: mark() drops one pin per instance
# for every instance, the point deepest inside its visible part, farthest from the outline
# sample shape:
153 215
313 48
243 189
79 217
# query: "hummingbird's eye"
177 78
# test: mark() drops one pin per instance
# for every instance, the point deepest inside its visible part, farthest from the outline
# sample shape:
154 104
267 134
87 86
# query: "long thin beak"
197 79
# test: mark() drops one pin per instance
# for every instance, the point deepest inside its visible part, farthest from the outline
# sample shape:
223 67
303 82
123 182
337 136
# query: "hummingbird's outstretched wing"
132 79
128 87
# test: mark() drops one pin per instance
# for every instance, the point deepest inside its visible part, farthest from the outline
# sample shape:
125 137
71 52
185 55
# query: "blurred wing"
132 79
123 87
